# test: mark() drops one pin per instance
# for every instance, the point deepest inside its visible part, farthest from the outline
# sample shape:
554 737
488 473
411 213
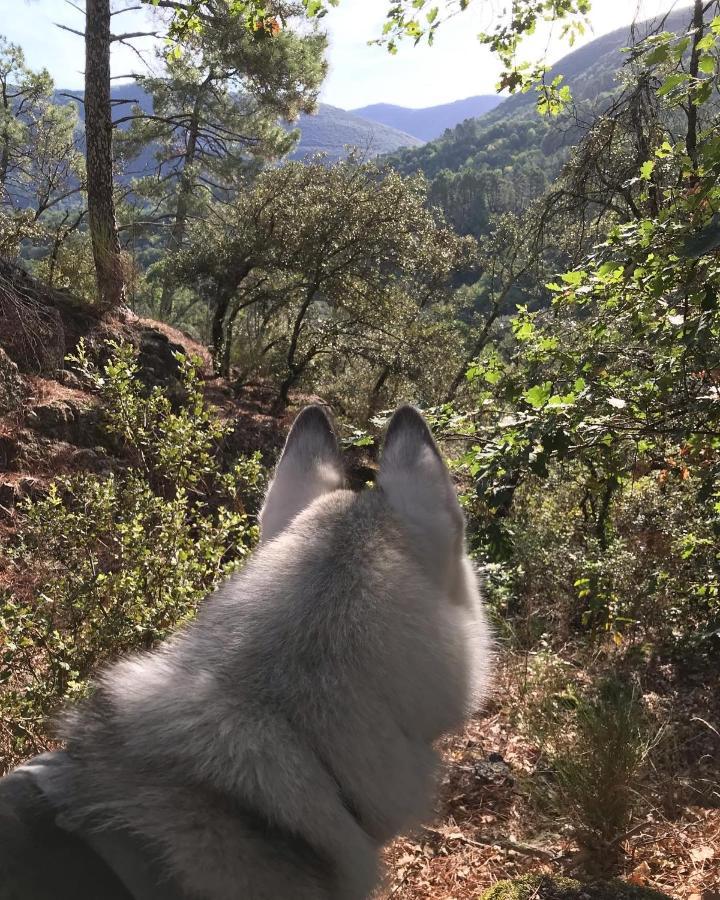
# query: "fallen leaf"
640 874
700 854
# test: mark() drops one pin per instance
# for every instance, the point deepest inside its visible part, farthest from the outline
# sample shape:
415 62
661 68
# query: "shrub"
108 565
593 742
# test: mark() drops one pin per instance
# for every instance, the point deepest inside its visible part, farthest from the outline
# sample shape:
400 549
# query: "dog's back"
272 747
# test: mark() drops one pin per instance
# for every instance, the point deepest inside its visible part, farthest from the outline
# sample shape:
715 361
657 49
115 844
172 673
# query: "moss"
540 887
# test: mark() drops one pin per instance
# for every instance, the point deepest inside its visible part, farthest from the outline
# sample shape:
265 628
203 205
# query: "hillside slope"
429 122
514 136
332 130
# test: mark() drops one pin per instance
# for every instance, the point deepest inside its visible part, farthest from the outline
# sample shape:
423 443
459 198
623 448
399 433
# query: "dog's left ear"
310 466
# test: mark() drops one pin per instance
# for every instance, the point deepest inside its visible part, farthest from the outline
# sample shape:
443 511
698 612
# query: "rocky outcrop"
13 389
67 420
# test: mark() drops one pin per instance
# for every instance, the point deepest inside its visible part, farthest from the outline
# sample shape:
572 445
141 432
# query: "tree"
342 262
618 380
99 155
21 91
416 20
216 111
41 171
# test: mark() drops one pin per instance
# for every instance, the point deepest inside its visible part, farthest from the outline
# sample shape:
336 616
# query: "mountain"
330 130
511 154
431 121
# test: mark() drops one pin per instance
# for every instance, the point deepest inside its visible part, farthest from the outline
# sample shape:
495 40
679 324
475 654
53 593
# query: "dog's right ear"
310 466
417 484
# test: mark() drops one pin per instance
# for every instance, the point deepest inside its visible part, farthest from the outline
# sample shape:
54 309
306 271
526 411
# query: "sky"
456 66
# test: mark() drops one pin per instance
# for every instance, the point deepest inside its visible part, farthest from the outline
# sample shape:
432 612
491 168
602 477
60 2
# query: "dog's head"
413 481
403 541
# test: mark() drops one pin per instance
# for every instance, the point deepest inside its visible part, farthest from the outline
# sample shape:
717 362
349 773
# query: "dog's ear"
418 487
309 467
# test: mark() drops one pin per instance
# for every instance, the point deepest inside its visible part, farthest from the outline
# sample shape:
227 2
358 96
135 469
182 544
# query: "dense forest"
543 281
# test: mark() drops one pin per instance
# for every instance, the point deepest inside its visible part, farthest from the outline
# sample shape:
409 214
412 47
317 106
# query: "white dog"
269 749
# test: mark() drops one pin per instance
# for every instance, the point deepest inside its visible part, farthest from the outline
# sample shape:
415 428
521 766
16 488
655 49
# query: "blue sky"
455 67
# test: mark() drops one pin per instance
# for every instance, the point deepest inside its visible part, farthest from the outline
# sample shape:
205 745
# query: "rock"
543 887
31 487
8 452
87 460
9 495
54 420
71 380
156 357
493 770
69 421
88 425
12 385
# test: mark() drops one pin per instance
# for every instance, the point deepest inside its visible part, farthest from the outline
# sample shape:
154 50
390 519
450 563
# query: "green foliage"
414 20
112 564
609 401
329 269
41 171
593 744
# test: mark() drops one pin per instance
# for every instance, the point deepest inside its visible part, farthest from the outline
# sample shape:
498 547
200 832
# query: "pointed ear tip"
408 418
314 415
314 422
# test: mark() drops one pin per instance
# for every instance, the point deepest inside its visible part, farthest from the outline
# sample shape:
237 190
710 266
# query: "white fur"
310 689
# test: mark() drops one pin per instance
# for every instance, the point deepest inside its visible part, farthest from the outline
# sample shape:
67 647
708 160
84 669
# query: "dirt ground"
486 829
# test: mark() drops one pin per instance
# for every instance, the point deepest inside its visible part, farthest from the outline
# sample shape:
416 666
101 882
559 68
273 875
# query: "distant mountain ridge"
330 131
511 155
429 122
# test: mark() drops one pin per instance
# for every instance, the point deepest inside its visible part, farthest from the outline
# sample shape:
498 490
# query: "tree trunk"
98 141
295 368
692 126
177 236
5 152
217 332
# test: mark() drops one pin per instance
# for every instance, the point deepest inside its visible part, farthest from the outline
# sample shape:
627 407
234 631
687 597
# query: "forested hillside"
177 279
327 130
506 157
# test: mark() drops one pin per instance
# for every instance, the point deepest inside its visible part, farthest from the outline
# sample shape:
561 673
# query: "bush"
593 744
109 565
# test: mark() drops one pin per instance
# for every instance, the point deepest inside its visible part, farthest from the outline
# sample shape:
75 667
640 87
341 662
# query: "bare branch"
133 34
71 96
71 30
75 6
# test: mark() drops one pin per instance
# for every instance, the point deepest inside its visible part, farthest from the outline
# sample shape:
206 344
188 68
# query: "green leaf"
706 43
660 54
646 169
670 83
538 395
573 278
706 64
